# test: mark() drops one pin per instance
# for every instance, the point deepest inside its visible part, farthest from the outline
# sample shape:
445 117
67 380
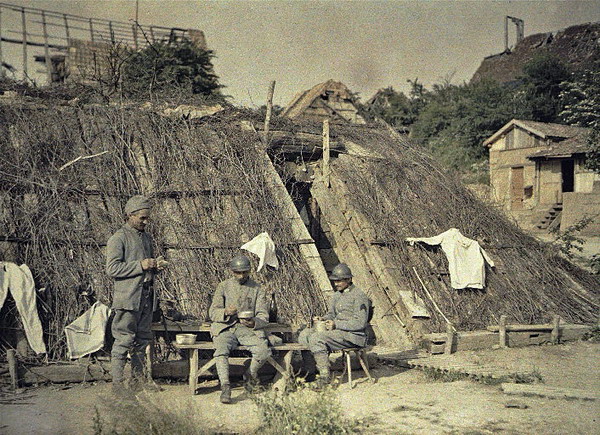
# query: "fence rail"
51 30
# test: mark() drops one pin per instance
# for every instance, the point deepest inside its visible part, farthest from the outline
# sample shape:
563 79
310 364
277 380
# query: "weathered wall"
577 206
584 178
549 186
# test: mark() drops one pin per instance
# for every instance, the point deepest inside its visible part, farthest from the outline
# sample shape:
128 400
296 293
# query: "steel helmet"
241 263
339 272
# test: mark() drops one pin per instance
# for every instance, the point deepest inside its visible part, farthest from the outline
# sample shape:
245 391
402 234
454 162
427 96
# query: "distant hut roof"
542 129
566 148
319 94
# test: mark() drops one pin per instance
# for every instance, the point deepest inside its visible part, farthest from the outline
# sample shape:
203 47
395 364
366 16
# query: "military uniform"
226 331
350 312
133 298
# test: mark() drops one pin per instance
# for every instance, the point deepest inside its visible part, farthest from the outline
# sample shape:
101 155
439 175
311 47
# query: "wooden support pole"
24 30
326 150
91 30
502 332
555 335
449 339
46 50
67 30
1 57
269 111
112 32
13 368
152 34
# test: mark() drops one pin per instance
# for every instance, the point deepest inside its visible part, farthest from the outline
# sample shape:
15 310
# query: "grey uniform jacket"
350 312
125 250
245 297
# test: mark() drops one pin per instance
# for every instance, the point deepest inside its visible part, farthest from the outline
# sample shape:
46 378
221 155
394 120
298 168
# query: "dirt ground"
402 401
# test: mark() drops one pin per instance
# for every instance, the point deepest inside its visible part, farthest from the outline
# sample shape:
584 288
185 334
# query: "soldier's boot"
117 367
251 380
309 366
322 362
139 374
222 365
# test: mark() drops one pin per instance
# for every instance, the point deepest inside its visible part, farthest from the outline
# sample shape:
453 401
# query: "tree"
165 66
581 106
541 80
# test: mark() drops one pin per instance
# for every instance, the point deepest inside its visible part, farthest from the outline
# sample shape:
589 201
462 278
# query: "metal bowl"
185 338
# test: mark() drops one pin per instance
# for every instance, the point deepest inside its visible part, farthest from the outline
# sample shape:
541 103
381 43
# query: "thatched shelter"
215 188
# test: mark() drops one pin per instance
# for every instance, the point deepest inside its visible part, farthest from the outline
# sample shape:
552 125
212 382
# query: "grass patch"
143 414
303 410
442 376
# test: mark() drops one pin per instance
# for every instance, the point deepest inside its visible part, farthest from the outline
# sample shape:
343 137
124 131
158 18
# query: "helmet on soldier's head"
339 272
241 263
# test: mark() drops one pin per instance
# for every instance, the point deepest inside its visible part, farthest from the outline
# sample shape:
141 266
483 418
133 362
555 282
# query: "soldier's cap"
137 203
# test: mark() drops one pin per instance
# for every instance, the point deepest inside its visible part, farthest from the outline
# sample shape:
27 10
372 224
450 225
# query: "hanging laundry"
465 258
18 280
263 246
85 334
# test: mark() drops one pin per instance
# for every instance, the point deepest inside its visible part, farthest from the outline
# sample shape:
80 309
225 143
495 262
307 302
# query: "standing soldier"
345 324
238 312
130 262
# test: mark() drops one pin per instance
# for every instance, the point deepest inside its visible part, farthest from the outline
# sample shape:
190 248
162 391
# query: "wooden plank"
175 327
516 327
502 332
550 392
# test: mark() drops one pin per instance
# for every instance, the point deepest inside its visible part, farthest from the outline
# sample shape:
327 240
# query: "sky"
367 45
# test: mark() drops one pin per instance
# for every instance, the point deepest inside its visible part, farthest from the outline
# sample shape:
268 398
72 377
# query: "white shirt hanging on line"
465 258
263 246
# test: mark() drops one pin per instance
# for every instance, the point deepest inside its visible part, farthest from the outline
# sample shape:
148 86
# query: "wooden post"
12 368
449 338
1 58
502 332
326 173
91 30
112 32
46 50
67 30
269 111
555 335
152 35
24 29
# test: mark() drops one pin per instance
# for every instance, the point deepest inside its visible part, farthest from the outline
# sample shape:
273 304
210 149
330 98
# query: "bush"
302 411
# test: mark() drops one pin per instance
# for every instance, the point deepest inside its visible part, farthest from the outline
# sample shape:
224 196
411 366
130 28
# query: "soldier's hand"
329 324
317 319
148 263
230 310
248 322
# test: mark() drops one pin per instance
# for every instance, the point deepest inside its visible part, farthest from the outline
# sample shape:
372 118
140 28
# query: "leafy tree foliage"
580 96
165 66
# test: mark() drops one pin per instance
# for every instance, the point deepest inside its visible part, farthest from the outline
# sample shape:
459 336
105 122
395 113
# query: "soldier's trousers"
132 333
328 341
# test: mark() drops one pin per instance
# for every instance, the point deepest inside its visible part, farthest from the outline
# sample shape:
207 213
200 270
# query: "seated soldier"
345 323
228 329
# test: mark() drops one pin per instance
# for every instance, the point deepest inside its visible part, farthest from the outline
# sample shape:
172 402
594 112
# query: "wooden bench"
283 364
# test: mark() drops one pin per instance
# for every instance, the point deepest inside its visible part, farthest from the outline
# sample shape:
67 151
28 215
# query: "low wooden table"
283 364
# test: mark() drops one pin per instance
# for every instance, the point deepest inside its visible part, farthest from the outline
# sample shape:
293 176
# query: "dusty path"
403 401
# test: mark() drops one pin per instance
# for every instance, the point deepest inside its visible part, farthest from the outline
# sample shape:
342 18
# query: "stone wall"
577 206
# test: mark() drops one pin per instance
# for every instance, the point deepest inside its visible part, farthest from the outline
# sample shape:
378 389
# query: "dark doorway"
567 169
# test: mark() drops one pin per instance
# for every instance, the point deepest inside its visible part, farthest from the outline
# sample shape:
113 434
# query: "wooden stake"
326 171
502 332
449 338
555 335
269 111
431 298
12 368
47 50
24 30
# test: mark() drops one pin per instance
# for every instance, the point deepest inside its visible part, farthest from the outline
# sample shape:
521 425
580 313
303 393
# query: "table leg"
193 370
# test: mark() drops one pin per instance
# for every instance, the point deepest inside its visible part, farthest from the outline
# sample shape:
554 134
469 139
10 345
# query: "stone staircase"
550 218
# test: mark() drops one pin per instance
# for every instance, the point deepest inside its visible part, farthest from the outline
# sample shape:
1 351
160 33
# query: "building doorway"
567 169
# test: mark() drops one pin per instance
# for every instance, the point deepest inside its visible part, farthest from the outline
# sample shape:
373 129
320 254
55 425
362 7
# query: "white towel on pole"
263 246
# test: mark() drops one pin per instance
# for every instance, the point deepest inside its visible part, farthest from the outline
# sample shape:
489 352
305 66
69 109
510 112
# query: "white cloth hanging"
18 280
263 246
85 334
465 258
